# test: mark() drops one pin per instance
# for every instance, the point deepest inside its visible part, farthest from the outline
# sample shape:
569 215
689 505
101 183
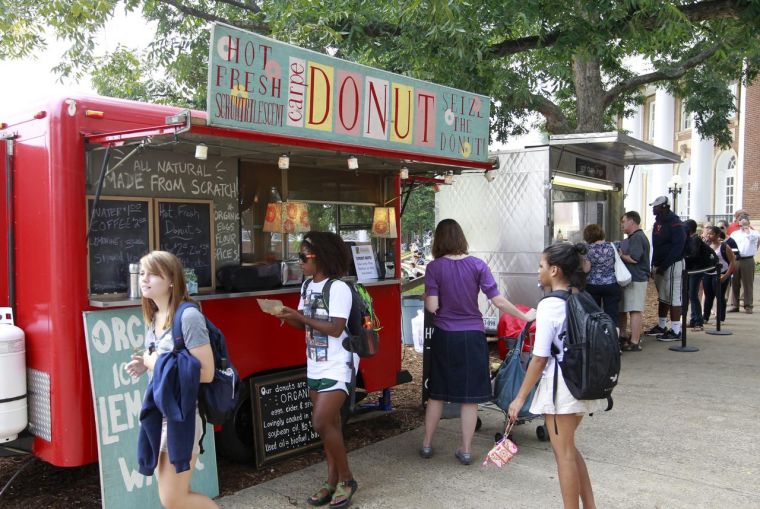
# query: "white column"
664 131
701 176
633 190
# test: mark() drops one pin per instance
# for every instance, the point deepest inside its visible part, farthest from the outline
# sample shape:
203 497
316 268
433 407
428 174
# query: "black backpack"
591 361
218 399
362 325
698 255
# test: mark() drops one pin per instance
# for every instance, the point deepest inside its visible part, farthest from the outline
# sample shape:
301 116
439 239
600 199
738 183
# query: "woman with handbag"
602 283
727 259
459 371
560 268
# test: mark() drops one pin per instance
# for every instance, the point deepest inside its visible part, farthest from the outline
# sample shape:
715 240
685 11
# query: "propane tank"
13 413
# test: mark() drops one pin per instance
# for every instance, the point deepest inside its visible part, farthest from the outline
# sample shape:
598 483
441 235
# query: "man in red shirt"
735 225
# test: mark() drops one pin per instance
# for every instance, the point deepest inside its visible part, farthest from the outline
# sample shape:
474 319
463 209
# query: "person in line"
668 240
459 370
635 254
747 240
601 282
728 265
560 268
738 214
324 256
162 282
692 261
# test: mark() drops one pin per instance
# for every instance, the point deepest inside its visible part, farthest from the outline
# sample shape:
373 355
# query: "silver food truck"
539 195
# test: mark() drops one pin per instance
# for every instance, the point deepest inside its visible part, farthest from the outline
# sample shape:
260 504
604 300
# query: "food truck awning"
614 147
265 148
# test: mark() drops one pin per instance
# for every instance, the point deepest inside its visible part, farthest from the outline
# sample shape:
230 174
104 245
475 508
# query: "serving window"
337 201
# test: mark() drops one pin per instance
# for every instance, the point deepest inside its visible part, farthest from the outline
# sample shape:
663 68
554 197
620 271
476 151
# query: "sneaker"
669 335
698 327
656 330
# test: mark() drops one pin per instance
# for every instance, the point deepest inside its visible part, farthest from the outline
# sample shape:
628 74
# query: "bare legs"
469 419
433 414
174 489
326 420
574 481
636 319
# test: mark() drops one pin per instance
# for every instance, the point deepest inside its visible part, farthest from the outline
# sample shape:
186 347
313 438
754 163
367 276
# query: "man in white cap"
668 240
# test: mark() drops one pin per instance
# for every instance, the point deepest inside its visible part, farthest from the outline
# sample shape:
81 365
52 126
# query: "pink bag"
504 450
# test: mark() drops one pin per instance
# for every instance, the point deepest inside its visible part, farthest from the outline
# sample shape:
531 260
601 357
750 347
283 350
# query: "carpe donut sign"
259 84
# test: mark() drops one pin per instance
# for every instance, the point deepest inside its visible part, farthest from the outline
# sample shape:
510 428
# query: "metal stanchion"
685 312
720 303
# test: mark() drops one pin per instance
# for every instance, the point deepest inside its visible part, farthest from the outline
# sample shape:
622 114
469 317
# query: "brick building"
715 181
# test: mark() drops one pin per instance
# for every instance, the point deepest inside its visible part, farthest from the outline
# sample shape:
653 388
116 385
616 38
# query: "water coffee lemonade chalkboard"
282 416
185 228
120 234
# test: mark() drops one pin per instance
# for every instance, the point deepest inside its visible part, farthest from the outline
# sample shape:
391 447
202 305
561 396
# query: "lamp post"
675 185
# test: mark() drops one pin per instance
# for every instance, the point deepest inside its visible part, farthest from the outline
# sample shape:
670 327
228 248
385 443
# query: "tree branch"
670 73
556 121
701 11
247 6
191 11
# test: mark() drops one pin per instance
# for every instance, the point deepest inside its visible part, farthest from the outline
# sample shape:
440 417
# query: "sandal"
632 347
322 496
340 492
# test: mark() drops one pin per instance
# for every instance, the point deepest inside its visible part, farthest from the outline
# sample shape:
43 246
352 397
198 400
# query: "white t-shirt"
325 355
551 315
746 242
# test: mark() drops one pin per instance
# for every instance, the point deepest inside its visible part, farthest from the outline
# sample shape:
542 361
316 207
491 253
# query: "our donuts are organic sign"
257 83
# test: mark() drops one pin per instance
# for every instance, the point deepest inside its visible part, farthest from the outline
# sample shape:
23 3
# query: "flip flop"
632 347
340 491
318 499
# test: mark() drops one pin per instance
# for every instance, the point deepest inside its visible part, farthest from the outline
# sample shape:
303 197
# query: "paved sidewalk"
684 433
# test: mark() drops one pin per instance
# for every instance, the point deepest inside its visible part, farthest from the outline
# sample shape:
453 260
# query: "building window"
734 89
650 131
688 191
730 177
685 118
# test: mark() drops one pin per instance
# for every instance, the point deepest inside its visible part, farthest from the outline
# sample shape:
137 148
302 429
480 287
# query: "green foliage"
419 213
529 56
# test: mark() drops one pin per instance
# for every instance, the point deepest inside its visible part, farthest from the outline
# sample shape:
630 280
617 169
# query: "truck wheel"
235 440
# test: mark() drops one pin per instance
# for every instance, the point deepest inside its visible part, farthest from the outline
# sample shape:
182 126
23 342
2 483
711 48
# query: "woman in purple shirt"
459 371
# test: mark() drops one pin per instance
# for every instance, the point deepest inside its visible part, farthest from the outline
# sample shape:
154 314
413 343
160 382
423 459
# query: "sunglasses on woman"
304 257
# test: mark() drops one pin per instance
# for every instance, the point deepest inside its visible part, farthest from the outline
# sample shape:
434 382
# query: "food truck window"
255 188
574 209
351 221
326 193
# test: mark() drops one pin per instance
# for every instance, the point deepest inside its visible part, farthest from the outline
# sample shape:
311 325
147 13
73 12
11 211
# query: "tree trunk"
589 93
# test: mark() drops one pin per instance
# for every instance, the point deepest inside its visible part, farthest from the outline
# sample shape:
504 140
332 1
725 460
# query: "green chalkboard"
111 336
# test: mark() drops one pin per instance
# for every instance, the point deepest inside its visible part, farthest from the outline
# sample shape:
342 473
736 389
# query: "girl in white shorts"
561 267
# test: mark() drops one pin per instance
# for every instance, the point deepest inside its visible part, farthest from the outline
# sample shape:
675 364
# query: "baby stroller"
509 376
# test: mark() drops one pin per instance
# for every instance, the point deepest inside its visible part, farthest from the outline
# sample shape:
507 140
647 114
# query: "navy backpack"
218 399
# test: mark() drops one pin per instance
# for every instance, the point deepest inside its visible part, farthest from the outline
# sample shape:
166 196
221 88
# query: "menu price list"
282 416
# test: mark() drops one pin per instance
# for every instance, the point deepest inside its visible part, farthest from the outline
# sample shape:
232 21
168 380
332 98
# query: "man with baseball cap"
668 240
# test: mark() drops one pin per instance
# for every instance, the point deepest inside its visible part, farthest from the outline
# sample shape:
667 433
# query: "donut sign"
259 84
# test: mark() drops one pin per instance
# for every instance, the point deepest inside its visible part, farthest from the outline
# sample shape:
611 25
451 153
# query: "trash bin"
409 307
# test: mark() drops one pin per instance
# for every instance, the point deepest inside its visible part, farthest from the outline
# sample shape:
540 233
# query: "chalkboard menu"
281 416
119 235
185 229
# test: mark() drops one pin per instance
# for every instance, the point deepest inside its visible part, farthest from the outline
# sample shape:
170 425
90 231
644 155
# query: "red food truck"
89 184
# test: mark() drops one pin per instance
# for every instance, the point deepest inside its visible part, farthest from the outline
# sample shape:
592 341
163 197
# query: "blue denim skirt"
459 367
